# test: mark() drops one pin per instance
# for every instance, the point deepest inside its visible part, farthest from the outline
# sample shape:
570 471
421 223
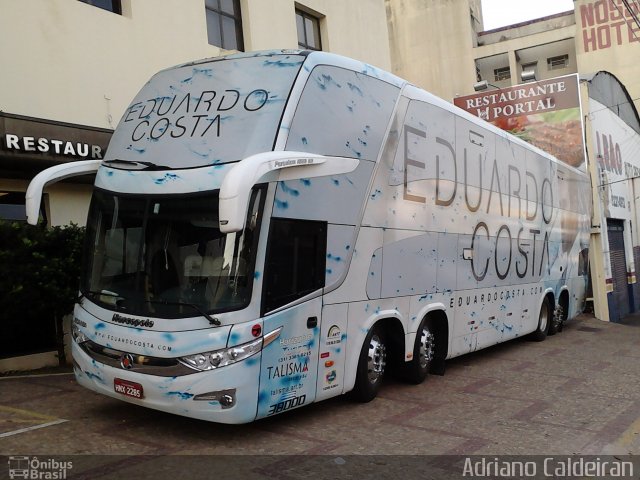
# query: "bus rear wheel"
424 351
544 320
371 366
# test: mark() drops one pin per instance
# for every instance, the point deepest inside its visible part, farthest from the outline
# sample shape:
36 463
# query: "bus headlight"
78 335
220 358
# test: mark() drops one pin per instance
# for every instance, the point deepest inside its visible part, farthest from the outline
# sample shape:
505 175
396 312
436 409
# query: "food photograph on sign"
544 113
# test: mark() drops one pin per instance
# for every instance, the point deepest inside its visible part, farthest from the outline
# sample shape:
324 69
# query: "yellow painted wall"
355 28
431 44
69 61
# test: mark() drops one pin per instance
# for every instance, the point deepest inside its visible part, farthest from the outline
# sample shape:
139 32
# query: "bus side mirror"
236 186
52 175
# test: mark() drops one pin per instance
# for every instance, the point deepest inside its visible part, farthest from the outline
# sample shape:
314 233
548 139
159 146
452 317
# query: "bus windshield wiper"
145 165
212 320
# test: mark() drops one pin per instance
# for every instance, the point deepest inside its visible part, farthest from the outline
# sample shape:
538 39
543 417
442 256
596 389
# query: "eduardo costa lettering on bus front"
192 114
198 115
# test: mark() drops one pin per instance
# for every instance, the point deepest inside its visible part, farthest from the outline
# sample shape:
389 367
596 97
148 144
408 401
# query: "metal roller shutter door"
615 230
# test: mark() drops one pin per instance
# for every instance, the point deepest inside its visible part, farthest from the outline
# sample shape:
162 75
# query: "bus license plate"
130 389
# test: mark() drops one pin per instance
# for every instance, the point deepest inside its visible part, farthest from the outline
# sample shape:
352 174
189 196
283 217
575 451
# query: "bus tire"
424 351
371 366
556 321
544 320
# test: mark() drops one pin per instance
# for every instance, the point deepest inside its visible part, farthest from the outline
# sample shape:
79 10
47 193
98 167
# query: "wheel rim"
544 318
376 359
427 347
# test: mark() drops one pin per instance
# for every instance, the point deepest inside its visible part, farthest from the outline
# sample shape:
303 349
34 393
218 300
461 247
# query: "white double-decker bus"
269 230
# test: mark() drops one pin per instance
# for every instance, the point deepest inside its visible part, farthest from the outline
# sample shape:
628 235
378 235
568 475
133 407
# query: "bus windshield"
164 256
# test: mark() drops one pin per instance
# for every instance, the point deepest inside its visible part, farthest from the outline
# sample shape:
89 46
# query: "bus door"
289 364
295 268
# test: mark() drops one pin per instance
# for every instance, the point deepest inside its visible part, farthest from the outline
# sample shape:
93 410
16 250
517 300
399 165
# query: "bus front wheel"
371 366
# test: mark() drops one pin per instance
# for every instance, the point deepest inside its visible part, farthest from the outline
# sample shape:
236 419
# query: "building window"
527 68
308 31
224 24
12 207
556 63
530 67
500 74
110 5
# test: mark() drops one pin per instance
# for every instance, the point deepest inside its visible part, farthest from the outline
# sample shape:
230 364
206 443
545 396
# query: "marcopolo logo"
134 322
35 468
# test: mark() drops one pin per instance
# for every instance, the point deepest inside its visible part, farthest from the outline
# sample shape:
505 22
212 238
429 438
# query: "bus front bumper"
225 395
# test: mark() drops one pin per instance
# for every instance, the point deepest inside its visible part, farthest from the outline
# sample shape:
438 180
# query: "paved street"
575 393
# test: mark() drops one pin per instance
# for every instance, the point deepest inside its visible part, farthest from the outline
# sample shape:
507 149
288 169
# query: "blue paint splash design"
356 153
136 149
180 395
335 258
199 154
355 88
251 361
325 80
166 178
286 62
93 376
281 204
288 190
205 72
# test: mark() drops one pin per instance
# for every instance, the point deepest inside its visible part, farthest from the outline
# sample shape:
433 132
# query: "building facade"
71 67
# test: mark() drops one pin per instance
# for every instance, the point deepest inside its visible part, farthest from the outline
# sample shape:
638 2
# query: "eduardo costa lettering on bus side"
526 196
519 213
